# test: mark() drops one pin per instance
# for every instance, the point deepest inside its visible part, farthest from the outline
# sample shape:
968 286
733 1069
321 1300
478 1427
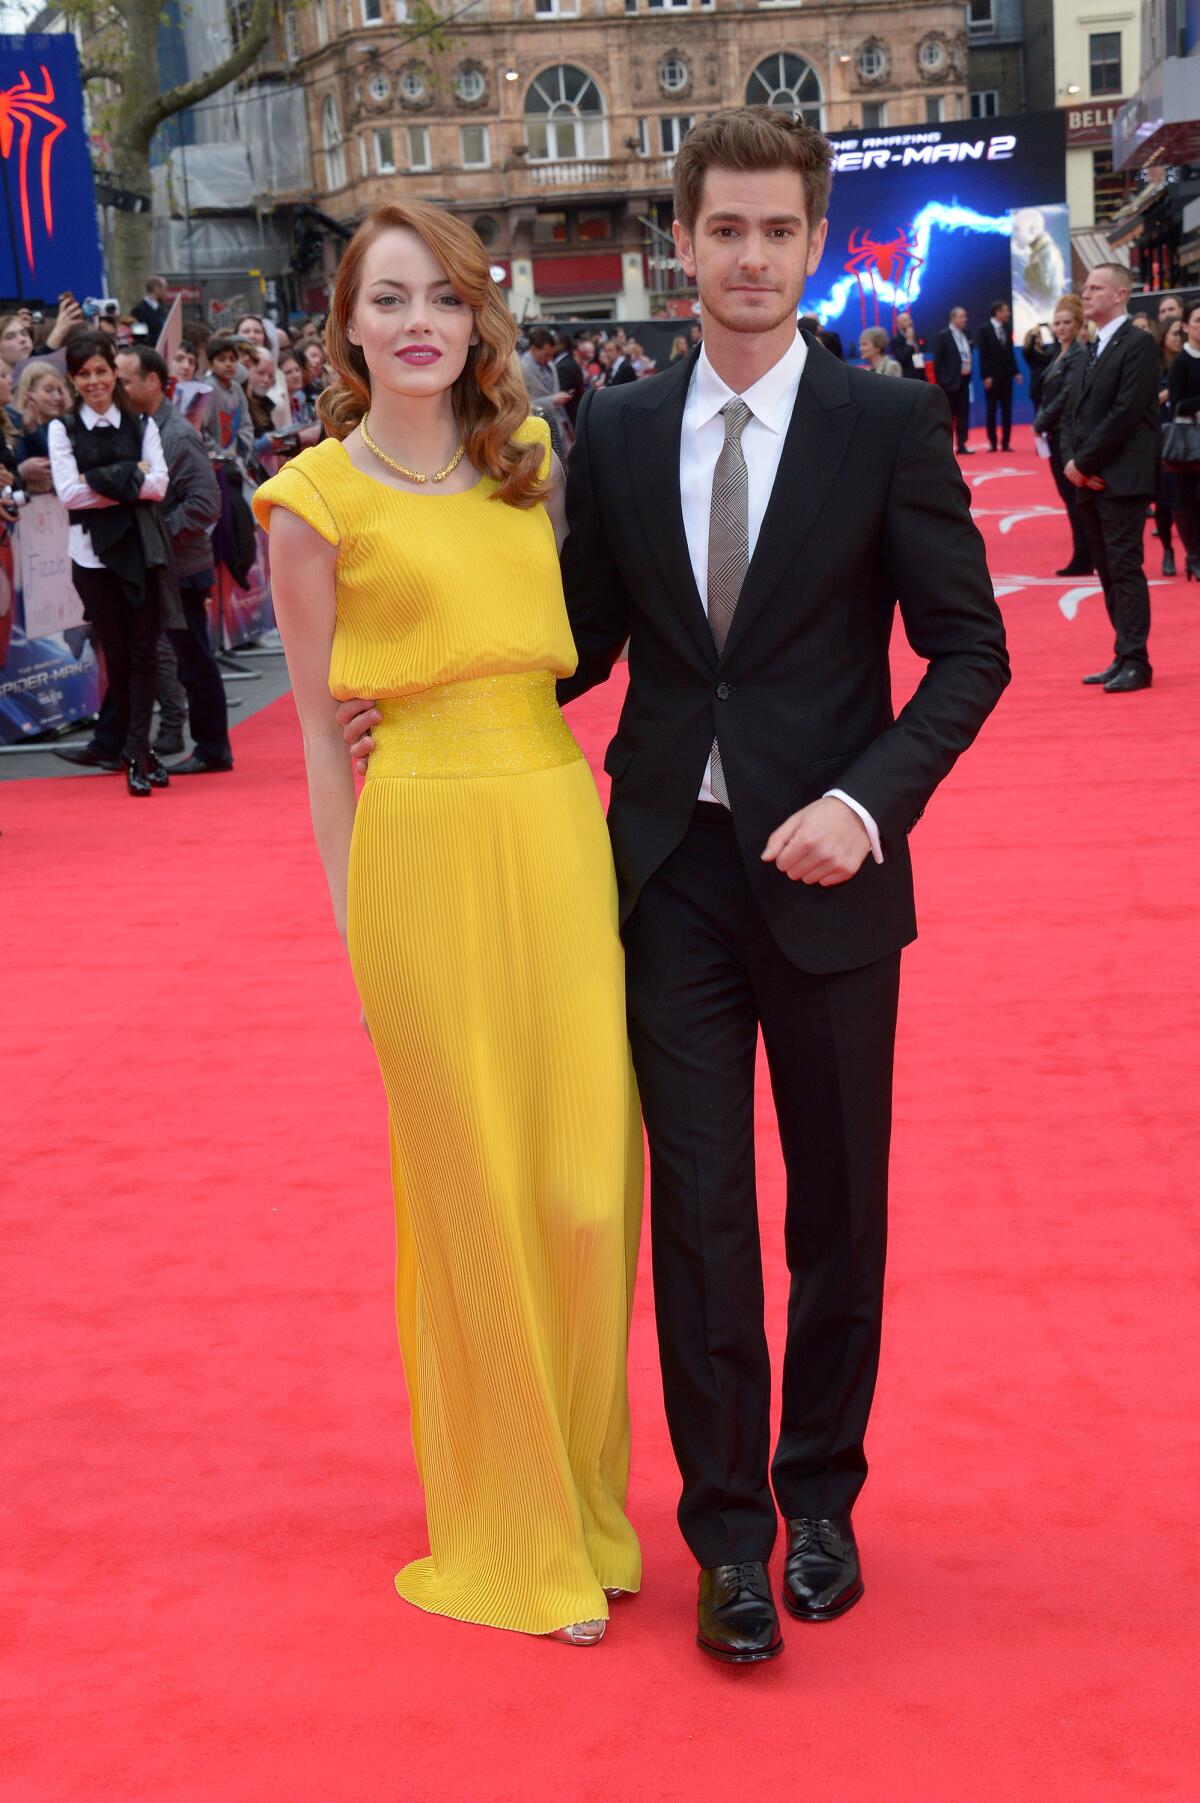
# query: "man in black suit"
153 310
618 367
952 373
998 368
908 349
748 521
1111 431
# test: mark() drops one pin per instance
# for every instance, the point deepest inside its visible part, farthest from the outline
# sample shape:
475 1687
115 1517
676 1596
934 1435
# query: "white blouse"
74 492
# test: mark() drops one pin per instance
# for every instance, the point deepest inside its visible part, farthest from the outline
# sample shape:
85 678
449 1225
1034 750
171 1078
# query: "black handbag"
1181 444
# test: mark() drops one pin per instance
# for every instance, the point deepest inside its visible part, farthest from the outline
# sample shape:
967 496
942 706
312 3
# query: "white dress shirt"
964 349
770 400
74 492
1104 333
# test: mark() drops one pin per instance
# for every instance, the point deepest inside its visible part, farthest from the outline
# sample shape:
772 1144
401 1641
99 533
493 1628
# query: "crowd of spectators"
249 393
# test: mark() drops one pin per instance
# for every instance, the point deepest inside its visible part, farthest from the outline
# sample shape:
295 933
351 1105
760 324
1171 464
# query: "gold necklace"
402 469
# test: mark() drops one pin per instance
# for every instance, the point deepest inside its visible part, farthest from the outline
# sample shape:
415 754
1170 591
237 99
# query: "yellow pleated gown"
482 930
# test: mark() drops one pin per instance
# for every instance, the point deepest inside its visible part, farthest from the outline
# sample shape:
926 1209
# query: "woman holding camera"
110 473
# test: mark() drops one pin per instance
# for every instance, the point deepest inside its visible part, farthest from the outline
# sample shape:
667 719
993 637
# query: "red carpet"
208 1481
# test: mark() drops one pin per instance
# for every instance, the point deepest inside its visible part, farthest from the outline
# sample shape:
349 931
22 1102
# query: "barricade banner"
51 604
48 671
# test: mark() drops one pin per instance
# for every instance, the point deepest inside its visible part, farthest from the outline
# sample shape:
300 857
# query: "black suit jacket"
997 360
868 509
152 317
1111 424
904 352
947 362
622 372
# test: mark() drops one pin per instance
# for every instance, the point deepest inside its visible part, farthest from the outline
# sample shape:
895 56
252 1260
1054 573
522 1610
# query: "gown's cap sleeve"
536 431
292 489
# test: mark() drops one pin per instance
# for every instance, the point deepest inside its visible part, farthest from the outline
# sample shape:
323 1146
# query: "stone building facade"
551 125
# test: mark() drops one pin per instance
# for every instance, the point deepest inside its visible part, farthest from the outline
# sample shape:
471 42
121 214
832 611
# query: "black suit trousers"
960 406
704 974
1068 494
999 399
1113 526
128 637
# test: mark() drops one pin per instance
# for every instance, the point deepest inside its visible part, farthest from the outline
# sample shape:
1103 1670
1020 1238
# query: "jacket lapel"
823 420
653 422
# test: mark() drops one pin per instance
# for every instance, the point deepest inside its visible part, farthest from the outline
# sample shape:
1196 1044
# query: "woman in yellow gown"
414 559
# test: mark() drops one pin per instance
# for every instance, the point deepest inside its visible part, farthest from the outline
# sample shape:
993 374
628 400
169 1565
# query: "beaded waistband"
492 726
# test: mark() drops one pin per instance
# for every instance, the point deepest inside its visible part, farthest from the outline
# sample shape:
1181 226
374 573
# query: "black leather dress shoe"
737 1617
156 772
821 1575
136 778
198 766
90 756
1128 678
1102 677
1076 569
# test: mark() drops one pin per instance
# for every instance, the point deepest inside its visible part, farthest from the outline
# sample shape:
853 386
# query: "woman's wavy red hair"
489 396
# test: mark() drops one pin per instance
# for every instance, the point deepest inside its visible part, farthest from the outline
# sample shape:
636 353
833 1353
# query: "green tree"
123 38
121 48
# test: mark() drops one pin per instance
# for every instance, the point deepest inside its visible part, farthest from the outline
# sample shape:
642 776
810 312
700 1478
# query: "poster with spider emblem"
50 230
922 218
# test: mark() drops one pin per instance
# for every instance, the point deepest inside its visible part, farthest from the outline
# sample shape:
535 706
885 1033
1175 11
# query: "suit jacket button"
723 691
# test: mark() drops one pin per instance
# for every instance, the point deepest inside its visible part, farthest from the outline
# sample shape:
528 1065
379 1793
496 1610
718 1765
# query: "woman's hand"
70 315
35 475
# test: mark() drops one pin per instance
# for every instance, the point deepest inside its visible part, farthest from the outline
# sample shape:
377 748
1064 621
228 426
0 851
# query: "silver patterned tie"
728 546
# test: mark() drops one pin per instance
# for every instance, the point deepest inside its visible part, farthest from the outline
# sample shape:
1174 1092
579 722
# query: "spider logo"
20 107
894 262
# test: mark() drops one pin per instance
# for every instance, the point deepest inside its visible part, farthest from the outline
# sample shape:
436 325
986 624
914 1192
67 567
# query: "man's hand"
356 718
825 843
1079 479
987 381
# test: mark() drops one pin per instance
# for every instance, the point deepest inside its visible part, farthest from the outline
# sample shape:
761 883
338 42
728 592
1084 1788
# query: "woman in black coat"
1056 383
1039 356
1183 400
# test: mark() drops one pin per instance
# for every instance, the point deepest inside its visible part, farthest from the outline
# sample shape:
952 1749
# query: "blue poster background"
45 156
919 218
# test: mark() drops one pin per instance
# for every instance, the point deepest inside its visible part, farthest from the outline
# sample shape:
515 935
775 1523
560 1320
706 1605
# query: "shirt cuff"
867 820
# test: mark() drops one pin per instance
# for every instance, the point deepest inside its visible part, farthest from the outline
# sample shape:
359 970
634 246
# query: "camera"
37 318
104 307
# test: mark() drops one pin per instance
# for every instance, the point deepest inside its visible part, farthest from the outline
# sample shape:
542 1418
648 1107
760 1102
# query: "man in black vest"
747 521
998 369
1111 430
952 373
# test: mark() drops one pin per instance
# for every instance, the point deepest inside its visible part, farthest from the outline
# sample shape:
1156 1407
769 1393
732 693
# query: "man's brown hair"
753 137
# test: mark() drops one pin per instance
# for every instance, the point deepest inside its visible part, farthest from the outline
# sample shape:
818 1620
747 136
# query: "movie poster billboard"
50 240
48 672
1040 261
922 219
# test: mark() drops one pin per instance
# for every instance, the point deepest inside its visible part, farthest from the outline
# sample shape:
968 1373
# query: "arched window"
788 83
564 116
331 139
